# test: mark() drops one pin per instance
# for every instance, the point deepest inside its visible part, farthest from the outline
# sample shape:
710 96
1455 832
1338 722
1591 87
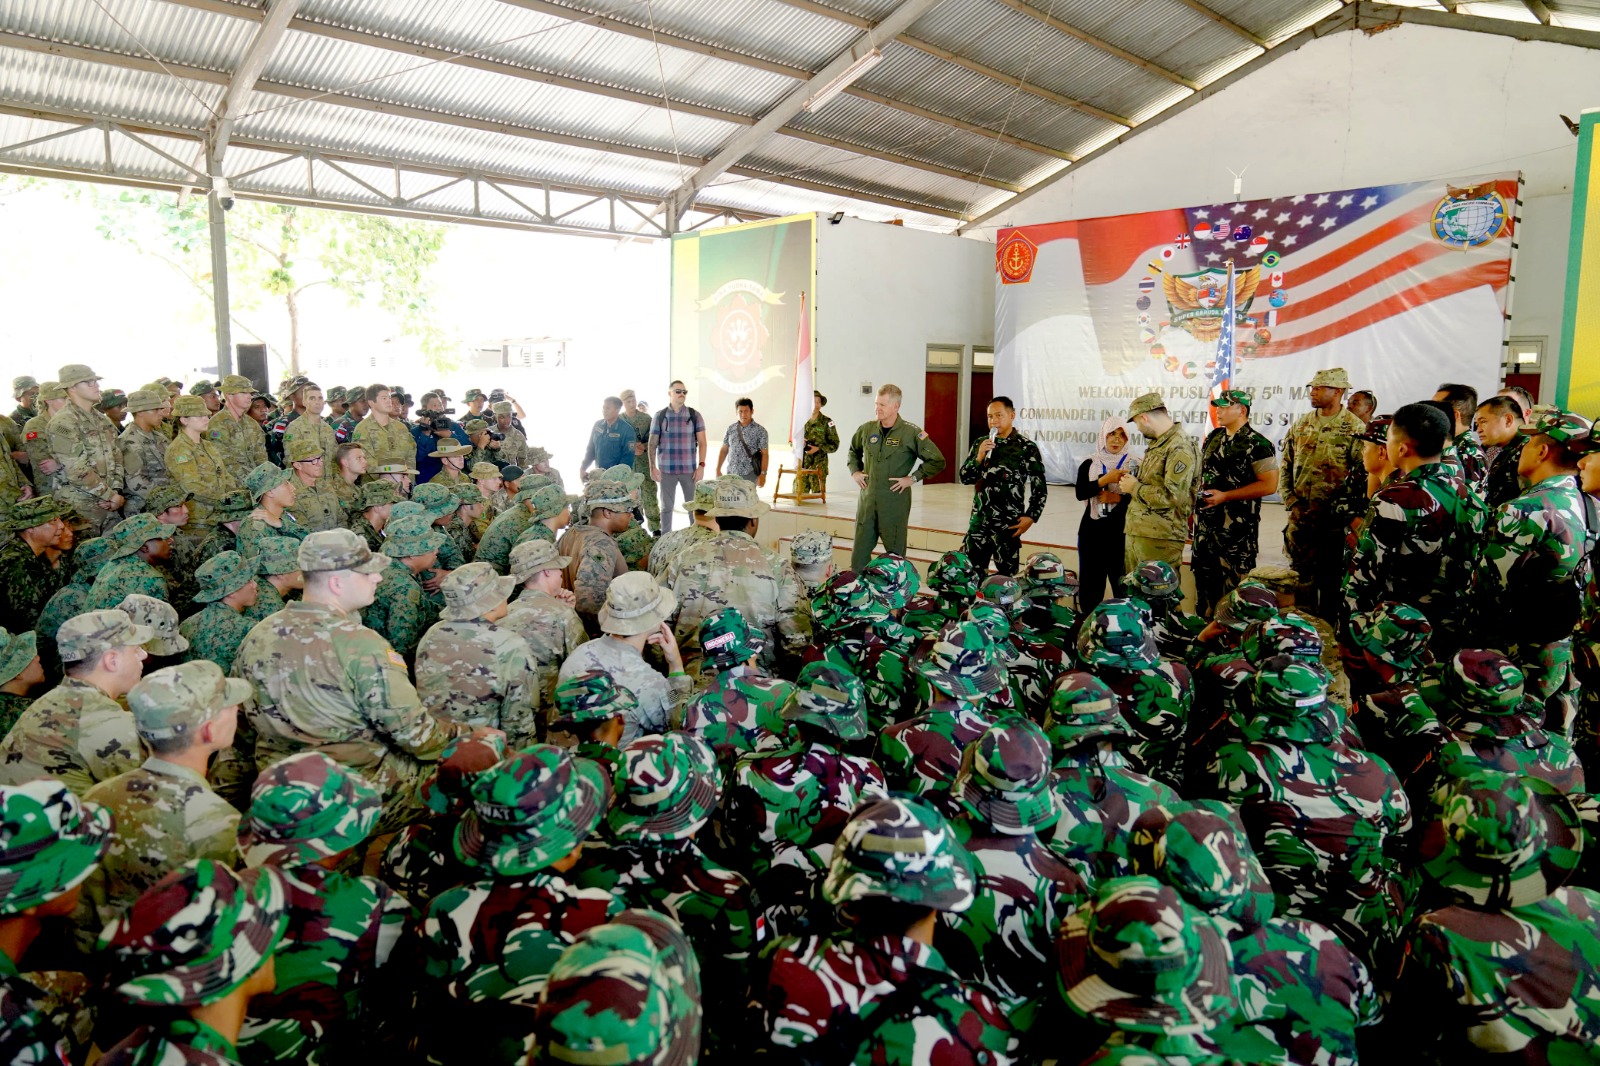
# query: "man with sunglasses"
677 450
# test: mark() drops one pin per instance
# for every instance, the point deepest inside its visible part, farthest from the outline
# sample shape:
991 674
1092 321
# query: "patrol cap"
52 390
195 935
52 842
810 547
829 697
1231 398
277 555
727 640
899 848
35 511
1563 427
705 498
1477 681
635 604
592 696
304 450
1005 778
1082 708
111 398
1155 582
953 574
534 556
408 536
1395 634
22 384
450 451
1499 840
1246 604
378 494
190 407
222 575
463 760
264 478
962 662
473 394
164 498
1139 958
547 501
667 788
17 652
1377 430
501 407
475 426
484 472
161 617
439 500
141 400
132 533
473 590
735 498
338 549
531 810
175 701
93 633
307 807
1143 405
891 576
1114 635
75 374
1332 377
1202 851
497 394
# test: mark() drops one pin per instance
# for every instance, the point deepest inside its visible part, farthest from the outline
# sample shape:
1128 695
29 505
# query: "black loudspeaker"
251 361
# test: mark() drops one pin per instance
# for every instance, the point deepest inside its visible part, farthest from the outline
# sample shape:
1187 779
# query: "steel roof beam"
1371 15
1103 45
743 143
1225 22
274 24
1538 10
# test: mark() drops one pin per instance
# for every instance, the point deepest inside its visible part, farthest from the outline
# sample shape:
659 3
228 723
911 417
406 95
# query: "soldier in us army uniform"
1322 489
1011 491
541 613
1162 493
472 669
144 449
884 461
591 545
1238 466
84 442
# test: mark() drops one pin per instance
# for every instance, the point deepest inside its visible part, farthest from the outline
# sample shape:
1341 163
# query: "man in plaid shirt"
677 451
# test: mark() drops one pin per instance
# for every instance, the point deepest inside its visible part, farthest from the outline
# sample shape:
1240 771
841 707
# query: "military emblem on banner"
1470 217
1196 302
739 334
1014 259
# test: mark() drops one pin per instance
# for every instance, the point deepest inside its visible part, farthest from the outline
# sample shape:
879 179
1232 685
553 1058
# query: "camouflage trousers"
817 483
1225 549
88 518
1149 549
1315 543
992 538
1548 677
651 503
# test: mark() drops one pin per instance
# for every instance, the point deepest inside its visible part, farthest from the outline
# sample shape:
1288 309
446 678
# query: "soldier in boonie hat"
1004 780
408 536
141 400
174 702
1563 427
233 384
845 603
1046 574
95 632
161 618
829 698
338 395
133 533
304 808
474 426
1115 635
190 407
591 697
473 394
484 472
1248 603
609 495
111 399
264 478
736 498
1498 840
624 473
338 549
892 577
224 574
1144 404
377 494
52 390
53 841
1082 708
1474 682
75 374
1289 699
1288 635
202 388
472 591
438 500
535 556
22 384
276 556
462 762
164 498
449 451
728 640
1005 592
1331 378
304 450
1202 851
35 511
704 499
899 849
546 501
668 789
962 663
1393 639
635 604
532 810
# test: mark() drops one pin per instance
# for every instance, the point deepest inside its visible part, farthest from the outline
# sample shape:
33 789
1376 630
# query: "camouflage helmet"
1083 708
222 575
1475 681
1285 635
1005 592
161 617
953 574
810 547
50 842
89 557
164 498
668 788
462 762
899 848
1563 427
531 810
1155 582
1499 840
195 935
237 505
830 698
626 993
175 701
1004 780
1115 635
1250 602
592 696
281 555
17 652
1045 570
963 662
993 619
1139 958
894 578
307 807
1202 851
1394 634
728 640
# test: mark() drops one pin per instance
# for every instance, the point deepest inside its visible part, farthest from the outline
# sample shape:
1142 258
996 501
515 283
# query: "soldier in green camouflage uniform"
1322 489
144 450
316 504
372 511
1156 585
923 753
474 670
1162 494
138 543
69 600
591 546
486 945
1155 695
274 491
1008 472
84 442
305 811
400 611
240 438
43 467
52 843
1384 653
821 441
952 585
532 507
278 575
880 992
28 579
589 716
163 812
223 536
738 703
21 674
1508 967
227 589
1238 466
847 616
202 936
318 671
14 481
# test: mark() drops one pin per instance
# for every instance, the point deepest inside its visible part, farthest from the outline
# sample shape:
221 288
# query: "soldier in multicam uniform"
1002 811
14 482
238 436
278 575
635 615
163 812
1322 489
1325 818
84 442
52 843
274 491
881 992
138 543
474 670
486 945
544 508
591 546
541 613
962 669
1155 695
47 472
326 682
28 578
738 702
1162 494
202 937
316 504
1538 543
640 421
144 449
1508 968
69 600
25 390
307 811
702 527
196 462
1238 466
1009 474
227 589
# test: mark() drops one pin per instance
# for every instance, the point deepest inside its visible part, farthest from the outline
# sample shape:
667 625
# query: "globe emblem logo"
1469 218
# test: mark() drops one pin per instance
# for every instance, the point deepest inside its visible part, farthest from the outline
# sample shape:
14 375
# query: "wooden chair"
794 492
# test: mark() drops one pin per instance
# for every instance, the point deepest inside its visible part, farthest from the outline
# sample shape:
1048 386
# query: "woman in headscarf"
1100 529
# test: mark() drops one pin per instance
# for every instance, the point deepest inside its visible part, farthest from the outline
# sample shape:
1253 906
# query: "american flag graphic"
1222 374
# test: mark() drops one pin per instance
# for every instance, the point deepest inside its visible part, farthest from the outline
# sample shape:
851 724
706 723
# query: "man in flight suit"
883 455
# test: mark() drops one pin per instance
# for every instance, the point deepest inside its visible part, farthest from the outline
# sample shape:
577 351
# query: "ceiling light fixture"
823 96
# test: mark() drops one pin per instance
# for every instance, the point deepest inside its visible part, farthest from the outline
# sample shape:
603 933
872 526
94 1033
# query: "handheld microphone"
994 435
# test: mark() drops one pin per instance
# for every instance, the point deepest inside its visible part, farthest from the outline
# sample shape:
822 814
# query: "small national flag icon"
1278 298
1182 240
1271 259
1277 279
1147 284
1147 335
1259 243
1142 303
1242 233
1168 252
1202 231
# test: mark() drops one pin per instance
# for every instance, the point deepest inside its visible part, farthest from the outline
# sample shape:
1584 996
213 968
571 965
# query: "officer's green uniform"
885 454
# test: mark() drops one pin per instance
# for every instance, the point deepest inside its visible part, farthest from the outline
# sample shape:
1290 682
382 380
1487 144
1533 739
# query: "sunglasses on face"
680 392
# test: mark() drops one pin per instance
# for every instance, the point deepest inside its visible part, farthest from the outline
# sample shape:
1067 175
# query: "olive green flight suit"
886 454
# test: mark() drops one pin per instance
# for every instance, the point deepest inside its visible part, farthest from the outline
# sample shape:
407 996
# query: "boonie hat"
1500 840
338 549
829 697
899 848
307 807
667 788
1114 635
635 604
592 696
531 810
532 556
162 619
53 841
264 478
473 590
277 556
1005 778
222 575
141 400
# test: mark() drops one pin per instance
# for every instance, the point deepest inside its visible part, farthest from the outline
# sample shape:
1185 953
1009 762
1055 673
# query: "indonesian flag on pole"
804 384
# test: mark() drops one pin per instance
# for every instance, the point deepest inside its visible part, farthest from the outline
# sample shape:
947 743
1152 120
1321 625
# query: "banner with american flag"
1403 285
